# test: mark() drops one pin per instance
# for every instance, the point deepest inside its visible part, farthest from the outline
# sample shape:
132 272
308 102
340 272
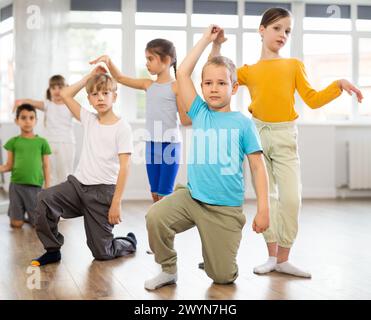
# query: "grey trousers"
72 199
22 199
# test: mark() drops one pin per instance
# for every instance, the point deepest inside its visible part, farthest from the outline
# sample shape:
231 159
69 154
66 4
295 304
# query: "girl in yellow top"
272 82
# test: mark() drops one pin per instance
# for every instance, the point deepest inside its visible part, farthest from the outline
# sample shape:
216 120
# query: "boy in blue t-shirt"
214 196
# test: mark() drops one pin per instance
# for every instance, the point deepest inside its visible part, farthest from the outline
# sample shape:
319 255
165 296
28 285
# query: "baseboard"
348 193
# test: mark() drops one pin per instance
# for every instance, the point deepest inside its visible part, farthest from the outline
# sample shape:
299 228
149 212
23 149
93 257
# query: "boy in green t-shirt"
28 160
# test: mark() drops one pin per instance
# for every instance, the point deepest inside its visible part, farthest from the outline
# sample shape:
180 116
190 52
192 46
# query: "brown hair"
56 80
101 82
25 106
272 15
225 62
163 48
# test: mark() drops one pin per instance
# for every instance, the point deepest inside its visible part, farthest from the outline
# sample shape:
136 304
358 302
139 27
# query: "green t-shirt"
28 159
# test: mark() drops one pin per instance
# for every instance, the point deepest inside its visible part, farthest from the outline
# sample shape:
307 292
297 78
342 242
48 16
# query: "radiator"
359 161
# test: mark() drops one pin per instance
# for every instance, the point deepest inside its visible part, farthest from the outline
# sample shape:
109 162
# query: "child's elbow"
314 104
64 93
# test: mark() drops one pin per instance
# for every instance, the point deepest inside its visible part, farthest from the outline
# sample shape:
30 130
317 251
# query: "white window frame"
129 29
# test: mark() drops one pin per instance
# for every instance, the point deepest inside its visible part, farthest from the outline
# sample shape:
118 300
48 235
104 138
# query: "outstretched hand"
350 88
98 70
17 103
105 59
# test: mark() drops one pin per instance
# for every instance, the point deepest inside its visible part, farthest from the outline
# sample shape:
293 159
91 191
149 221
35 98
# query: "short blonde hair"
223 61
101 82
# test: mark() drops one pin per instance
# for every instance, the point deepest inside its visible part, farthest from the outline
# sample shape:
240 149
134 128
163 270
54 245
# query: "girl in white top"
58 129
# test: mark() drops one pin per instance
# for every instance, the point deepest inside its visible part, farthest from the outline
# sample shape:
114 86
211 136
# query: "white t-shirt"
58 123
99 161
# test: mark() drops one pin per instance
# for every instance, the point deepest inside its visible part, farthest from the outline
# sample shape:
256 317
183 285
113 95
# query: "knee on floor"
16 223
224 278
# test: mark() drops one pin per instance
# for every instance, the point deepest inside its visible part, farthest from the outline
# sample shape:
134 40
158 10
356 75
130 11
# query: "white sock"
286 267
163 279
269 266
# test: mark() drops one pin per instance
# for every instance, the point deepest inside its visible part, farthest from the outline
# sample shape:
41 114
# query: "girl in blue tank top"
163 141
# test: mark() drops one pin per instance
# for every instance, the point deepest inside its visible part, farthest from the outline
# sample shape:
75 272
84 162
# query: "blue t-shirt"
220 141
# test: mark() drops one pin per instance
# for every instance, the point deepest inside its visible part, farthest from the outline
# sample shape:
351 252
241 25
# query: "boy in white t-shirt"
95 190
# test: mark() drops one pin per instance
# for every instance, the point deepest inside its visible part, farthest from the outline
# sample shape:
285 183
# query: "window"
101 41
327 57
93 33
327 17
365 76
210 12
6 63
104 17
363 22
161 13
95 12
326 42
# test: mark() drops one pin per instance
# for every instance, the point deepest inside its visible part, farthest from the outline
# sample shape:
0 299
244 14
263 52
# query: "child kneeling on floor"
95 190
214 196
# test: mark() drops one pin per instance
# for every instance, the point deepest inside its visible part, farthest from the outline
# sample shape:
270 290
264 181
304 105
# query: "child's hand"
348 87
17 103
220 39
212 32
105 59
98 70
114 214
261 222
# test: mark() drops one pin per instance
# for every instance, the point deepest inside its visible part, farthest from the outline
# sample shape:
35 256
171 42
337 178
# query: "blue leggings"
162 162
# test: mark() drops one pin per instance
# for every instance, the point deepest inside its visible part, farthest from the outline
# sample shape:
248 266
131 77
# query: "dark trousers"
72 199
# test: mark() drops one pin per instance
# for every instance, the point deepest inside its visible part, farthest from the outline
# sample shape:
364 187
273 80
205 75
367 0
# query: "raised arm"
35 103
260 179
9 163
68 93
187 91
184 119
141 84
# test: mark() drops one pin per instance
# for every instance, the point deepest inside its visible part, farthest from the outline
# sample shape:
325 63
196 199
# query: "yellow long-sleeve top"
272 84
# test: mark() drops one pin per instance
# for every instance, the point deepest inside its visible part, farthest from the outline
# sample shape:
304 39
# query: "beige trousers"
220 229
280 148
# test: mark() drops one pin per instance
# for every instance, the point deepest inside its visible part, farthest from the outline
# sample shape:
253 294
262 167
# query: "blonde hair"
225 62
101 82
